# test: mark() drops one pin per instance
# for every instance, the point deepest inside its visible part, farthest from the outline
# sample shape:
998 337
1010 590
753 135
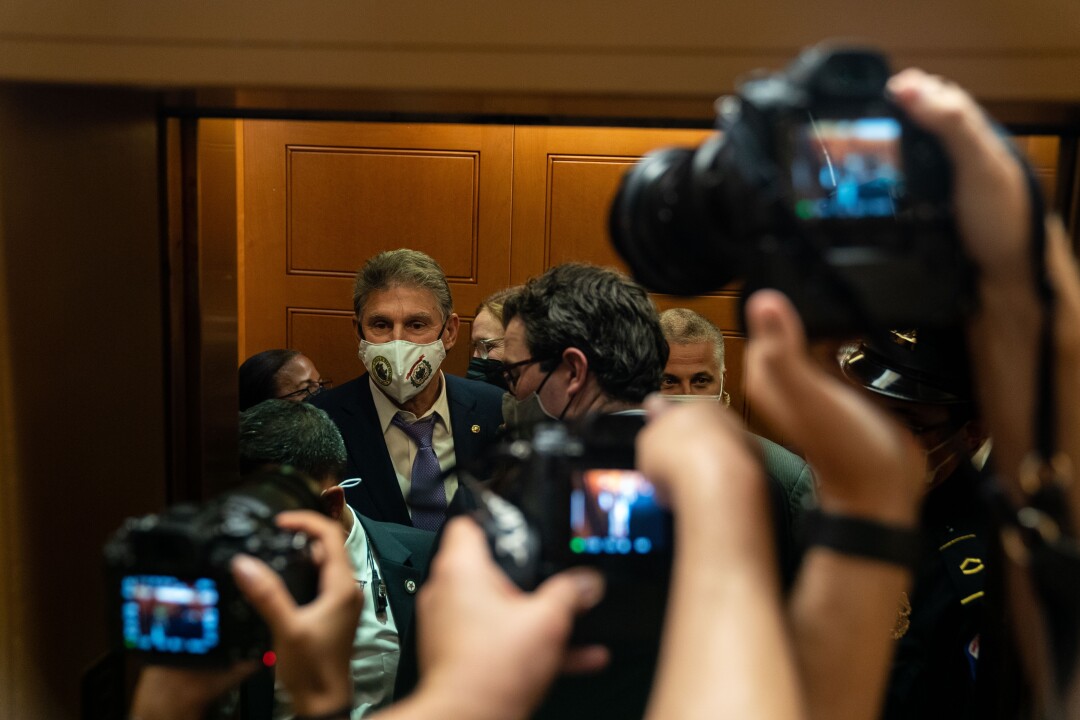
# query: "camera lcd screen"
844 169
160 613
614 512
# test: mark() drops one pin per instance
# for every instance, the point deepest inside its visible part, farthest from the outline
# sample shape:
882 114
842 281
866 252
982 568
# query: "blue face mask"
487 370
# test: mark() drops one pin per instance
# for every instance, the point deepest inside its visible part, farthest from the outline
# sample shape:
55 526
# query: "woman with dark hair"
281 374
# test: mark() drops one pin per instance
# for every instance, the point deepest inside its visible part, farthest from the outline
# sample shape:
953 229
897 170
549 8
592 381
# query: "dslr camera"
171 595
815 184
571 496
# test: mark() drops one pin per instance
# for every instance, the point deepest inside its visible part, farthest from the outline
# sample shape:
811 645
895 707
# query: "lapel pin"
476 429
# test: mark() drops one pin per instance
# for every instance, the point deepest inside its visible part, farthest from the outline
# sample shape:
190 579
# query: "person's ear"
356 328
333 500
450 332
578 367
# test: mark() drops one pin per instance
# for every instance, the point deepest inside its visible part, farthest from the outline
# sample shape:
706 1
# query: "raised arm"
725 651
844 605
995 220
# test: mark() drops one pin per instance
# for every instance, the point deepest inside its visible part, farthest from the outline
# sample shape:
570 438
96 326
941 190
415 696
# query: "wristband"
864 538
342 713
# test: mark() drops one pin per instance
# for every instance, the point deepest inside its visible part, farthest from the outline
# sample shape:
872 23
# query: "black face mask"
487 370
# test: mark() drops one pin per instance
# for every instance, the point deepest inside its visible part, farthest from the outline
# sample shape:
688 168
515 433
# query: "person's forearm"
1065 279
434 700
1007 334
843 610
1004 337
1008 329
725 652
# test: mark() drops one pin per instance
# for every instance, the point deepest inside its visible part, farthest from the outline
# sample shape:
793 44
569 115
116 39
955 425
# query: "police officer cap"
928 366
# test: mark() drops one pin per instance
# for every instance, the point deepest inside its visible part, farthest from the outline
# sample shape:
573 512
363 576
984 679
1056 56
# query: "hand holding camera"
313 642
487 648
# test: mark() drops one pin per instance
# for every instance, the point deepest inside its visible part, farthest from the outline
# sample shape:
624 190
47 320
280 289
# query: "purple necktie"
427 494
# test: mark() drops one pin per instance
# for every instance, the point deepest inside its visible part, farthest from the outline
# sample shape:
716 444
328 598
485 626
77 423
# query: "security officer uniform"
939 627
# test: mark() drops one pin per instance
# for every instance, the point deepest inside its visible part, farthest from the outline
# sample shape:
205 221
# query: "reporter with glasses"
279 374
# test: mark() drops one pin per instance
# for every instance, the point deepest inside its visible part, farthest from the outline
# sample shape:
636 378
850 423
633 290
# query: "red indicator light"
269 658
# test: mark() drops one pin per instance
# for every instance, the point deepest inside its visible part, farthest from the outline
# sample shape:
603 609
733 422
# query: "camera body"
172 597
574 498
816 185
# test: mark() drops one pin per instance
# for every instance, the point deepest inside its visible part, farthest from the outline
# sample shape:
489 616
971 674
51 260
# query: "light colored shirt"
376 646
403 450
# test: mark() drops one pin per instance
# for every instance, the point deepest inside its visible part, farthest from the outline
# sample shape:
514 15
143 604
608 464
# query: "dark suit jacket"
793 474
791 489
351 407
403 554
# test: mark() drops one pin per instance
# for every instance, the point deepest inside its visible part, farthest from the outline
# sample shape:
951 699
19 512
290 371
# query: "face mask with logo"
401 368
487 370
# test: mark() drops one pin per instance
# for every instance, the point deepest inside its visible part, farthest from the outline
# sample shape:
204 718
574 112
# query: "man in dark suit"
404 421
389 560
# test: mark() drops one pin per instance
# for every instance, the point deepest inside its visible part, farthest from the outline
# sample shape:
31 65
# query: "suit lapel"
367 451
462 403
398 571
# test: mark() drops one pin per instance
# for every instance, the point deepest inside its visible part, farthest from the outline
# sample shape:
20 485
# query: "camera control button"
238 526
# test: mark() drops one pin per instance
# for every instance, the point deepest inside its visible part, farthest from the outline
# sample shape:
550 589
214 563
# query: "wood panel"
321 198
1042 152
564 182
1001 48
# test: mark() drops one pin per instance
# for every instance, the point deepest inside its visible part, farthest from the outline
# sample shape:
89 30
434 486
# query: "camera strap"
1042 528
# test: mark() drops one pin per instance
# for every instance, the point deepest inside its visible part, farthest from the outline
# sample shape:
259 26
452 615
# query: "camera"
172 597
817 185
571 496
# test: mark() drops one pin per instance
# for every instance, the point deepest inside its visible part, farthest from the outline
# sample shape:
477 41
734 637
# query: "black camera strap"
1044 524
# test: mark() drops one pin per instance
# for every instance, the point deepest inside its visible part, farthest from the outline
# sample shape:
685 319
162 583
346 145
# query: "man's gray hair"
683 326
402 267
279 432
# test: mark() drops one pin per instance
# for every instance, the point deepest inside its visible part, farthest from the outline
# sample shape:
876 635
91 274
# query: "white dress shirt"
376 647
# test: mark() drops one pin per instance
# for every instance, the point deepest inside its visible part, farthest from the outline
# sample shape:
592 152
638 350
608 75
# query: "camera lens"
666 224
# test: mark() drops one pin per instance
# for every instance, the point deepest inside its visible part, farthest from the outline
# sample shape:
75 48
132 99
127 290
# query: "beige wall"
1002 49
82 417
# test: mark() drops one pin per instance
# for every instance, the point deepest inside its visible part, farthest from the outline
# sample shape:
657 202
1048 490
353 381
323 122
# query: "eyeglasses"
512 372
312 389
483 346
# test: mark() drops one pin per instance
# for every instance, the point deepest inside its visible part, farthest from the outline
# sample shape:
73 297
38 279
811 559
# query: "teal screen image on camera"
165 614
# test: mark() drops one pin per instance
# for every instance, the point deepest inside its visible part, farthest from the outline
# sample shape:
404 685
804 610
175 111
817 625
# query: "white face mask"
694 398
401 368
723 398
